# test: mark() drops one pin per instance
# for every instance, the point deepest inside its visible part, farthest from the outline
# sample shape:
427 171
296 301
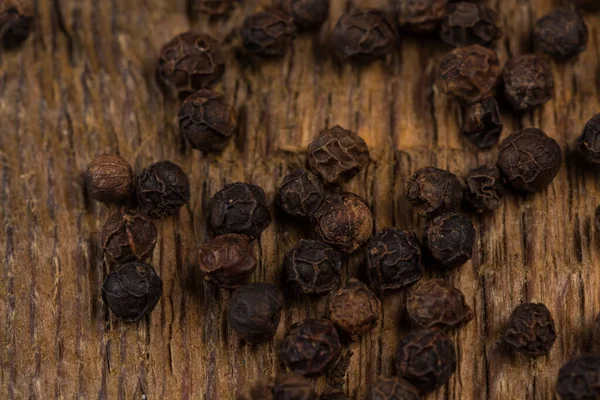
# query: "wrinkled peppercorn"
206 121
300 194
268 33
254 312
109 178
426 358
448 240
227 261
190 62
14 26
354 309
392 388
312 267
345 221
306 13
294 387
482 124
562 33
528 82
485 190
578 378
132 291
310 347
162 189
363 35
592 5
531 329
468 23
420 15
433 191
394 259
128 236
589 141
240 208
212 8
530 159
468 74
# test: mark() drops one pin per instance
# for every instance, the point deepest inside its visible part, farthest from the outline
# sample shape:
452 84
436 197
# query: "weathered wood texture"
83 84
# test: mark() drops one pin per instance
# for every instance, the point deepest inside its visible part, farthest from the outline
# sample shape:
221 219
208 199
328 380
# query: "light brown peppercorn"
354 309
420 15
109 178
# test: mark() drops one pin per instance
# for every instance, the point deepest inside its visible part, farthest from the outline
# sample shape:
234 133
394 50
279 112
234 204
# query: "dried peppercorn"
312 267
294 387
578 378
354 309
426 358
132 291
127 236
433 191
306 13
162 189
109 178
531 329
190 62
345 221
485 190
212 8
562 33
528 82
589 141
310 347
448 240
363 35
227 261
206 121
301 194
468 74
394 259
420 15
392 388
482 124
254 312
15 26
240 208
268 33
468 23
530 159
592 5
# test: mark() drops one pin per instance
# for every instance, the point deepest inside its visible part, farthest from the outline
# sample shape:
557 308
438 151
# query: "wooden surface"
83 84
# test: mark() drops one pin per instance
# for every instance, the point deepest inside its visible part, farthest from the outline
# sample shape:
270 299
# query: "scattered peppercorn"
206 121
420 15
162 189
240 208
482 124
426 358
354 309
212 8
109 178
561 33
394 259
530 159
227 261
469 74
310 347
392 388
132 291
345 221
531 329
306 13
578 378
268 33
469 23
294 387
528 82
14 26
312 267
448 240
592 5
128 236
254 312
301 194
589 141
433 191
485 190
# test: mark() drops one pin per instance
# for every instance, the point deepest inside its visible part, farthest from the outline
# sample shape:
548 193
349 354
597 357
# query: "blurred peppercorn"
392 388
269 33
306 13
562 33
589 141
469 23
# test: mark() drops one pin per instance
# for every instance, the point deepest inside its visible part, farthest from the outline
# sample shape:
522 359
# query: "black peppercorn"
482 124
392 388
468 23
528 82
530 160
268 33
240 208
310 347
531 329
485 190
128 236
448 240
162 189
254 312
354 309
420 15
589 141
301 194
227 261
562 33
294 387
578 378
433 191
109 178
212 8
132 291
306 13
14 26
312 267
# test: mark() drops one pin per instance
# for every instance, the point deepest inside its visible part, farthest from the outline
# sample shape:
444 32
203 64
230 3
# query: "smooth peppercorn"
294 387
589 141
127 236
482 124
392 388
162 189
420 15
307 14
433 191
448 240
313 267
562 33
528 82
227 261
354 309
578 378
268 33
301 194
531 329
15 26
469 23
485 190
109 178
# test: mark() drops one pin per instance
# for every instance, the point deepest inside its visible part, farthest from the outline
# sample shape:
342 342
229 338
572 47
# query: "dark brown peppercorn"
578 378
345 222
294 387
589 141
310 347
562 33
482 124
448 240
531 329
468 74
426 358
485 190
190 62
268 33
530 159
420 15
392 388
212 8
14 26
128 236
206 121
254 312
592 5
433 191
354 309
301 194
162 189
528 82
468 23
312 267
227 261
240 208
363 35
109 178
132 291
394 259
306 13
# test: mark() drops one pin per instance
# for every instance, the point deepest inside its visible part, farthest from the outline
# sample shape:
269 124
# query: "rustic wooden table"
83 84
